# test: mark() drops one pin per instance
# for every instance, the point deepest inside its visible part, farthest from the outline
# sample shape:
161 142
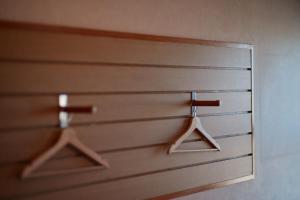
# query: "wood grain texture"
143 187
34 111
57 78
39 45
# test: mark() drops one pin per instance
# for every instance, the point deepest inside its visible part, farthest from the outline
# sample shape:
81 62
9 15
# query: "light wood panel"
31 111
106 137
123 164
144 187
40 45
45 78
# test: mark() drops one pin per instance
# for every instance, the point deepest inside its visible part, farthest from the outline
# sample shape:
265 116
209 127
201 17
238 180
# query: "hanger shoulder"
188 132
184 136
75 142
40 160
200 128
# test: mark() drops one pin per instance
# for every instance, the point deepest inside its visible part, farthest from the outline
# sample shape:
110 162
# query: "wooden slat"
144 187
45 78
123 164
104 137
31 111
40 45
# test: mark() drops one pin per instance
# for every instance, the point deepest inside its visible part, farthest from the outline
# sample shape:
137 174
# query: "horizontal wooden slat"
104 137
32 111
45 78
40 45
143 187
123 164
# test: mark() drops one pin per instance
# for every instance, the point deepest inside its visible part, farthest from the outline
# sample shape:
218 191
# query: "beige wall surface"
273 26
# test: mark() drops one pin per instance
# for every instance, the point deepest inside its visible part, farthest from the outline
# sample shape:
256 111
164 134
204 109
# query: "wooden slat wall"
141 86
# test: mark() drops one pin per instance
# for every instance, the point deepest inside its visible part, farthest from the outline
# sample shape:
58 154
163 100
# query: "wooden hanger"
68 137
196 125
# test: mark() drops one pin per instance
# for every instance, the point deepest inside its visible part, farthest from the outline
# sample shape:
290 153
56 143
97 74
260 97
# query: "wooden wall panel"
142 87
40 45
57 78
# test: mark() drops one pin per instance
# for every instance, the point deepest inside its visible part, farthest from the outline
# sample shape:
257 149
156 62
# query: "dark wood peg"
206 103
79 109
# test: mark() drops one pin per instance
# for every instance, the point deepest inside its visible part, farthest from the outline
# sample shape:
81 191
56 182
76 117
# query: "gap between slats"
110 64
50 78
7 130
129 148
28 94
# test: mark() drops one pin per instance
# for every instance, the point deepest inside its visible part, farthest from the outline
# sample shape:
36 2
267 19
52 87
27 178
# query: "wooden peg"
206 103
78 109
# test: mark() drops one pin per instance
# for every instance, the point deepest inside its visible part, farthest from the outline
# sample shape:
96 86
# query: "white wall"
272 25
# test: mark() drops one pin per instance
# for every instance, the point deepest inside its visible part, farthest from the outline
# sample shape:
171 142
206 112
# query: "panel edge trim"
205 187
117 34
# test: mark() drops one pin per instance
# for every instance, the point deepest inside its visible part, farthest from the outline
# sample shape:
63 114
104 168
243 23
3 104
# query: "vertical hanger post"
63 115
65 110
194 108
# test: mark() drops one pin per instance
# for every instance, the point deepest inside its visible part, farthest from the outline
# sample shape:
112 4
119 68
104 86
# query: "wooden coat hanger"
196 125
68 137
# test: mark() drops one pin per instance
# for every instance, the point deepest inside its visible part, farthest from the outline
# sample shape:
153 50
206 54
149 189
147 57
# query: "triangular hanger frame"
196 124
68 137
